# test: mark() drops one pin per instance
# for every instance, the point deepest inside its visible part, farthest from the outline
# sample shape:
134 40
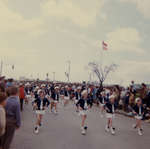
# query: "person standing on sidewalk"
21 96
2 115
13 118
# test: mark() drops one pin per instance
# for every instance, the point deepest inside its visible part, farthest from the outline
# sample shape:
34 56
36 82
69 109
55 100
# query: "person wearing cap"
78 94
138 111
27 92
61 93
77 97
39 105
55 99
27 88
36 92
32 97
110 108
102 101
83 105
66 95
42 86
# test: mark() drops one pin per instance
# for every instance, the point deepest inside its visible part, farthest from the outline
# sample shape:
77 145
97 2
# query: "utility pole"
47 76
69 69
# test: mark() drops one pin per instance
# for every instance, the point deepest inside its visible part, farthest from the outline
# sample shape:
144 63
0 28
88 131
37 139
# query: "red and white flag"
105 46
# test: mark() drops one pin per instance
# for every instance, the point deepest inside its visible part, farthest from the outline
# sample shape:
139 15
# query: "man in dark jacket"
13 118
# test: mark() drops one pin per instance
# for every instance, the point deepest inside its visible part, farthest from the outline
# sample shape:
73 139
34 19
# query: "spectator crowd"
13 95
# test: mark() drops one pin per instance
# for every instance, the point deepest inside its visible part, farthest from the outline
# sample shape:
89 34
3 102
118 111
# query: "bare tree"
101 72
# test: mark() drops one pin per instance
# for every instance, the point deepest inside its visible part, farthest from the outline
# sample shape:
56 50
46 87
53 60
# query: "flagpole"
69 69
101 57
13 69
104 48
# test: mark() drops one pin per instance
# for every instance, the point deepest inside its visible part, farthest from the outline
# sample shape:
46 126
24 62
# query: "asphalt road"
63 132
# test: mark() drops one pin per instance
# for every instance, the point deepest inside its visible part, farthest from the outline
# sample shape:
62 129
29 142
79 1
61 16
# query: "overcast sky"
40 36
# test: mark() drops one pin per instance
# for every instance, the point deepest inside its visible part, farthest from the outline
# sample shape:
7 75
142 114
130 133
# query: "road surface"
63 132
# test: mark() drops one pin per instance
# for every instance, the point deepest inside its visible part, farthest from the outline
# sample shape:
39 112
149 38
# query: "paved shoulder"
63 132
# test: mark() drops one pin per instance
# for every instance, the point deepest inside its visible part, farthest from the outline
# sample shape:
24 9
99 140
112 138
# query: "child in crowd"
110 114
40 104
138 111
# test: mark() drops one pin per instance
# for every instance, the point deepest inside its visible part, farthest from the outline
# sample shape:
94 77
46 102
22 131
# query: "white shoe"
107 128
55 112
112 131
51 111
36 130
83 132
140 132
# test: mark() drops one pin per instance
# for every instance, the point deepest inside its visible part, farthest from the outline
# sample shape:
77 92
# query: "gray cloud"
39 39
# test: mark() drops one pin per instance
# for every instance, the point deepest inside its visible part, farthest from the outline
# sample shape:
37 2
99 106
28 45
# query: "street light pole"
47 76
69 69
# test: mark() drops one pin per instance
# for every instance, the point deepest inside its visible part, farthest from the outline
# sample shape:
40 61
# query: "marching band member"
40 104
84 105
55 99
77 97
138 111
102 100
110 114
66 95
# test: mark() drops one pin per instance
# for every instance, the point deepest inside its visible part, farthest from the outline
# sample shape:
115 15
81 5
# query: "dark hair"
13 90
3 97
10 80
2 87
143 84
